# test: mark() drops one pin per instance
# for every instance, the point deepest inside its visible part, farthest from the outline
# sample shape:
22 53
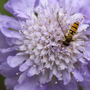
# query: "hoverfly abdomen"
74 28
71 32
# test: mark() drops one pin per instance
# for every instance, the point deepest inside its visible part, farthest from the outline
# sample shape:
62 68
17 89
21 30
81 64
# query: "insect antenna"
60 25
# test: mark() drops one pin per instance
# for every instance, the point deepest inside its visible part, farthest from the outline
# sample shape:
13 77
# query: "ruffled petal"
22 77
42 87
20 7
66 77
86 74
4 45
14 25
11 33
8 7
6 70
43 78
11 82
72 85
14 61
32 71
4 19
54 87
78 76
29 84
86 11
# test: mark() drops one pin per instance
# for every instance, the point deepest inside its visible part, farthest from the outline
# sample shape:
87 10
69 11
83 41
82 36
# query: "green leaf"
2 10
2 86
80 88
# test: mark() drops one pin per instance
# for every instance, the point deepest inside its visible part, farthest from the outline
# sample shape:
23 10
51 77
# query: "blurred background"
3 11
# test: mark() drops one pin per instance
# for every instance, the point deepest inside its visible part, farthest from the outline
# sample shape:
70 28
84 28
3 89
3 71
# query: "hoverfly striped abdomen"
74 28
71 32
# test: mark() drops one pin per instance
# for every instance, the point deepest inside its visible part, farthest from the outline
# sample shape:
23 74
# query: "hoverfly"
71 33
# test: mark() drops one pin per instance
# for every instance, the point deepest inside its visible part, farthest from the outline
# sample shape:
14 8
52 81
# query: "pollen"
84 72
55 82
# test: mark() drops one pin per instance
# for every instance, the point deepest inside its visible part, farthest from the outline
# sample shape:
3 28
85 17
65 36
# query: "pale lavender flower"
33 56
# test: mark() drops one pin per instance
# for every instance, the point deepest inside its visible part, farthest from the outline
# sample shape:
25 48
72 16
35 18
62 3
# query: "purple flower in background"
33 53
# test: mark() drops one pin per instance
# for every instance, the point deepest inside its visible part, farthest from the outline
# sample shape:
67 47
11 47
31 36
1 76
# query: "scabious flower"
32 53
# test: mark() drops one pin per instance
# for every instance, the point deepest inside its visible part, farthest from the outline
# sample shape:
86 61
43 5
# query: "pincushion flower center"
49 43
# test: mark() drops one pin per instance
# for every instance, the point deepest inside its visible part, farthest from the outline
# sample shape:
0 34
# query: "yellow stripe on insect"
72 32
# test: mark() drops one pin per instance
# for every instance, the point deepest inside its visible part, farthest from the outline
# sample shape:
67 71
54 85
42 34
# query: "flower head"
49 42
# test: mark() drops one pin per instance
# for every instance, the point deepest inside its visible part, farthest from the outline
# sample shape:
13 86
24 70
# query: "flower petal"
86 82
43 78
3 43
66 77
77 75
32 71
14 61
22 8
72 85
22 77
29 84
6 70
14 25
11 82
25 65
42 87
10 33
8 7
